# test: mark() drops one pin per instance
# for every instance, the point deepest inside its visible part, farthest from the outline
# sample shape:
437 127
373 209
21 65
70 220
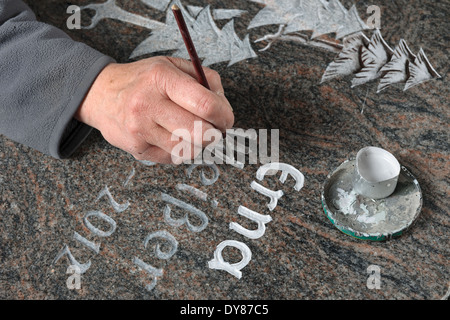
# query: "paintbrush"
190 46
191 49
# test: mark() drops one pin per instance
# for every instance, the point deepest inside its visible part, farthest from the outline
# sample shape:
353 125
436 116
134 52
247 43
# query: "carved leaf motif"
222 14
330 19
351 24
348 61
373 58
218 14
166 37
226 38
205 32
110 10
319 16
396 70
420 71
160 5
244 51
212 44
268 16
305 15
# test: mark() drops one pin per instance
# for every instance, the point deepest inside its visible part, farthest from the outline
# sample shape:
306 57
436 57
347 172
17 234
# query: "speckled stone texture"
301 255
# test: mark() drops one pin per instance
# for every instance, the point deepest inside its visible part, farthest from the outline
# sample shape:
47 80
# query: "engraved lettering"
166 236
260 219
235 268
189 208
105 218
154 272
66 251
286 170
273 195
117 207
91 245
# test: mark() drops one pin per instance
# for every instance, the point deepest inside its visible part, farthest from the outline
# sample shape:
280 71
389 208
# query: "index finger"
187 66
184 90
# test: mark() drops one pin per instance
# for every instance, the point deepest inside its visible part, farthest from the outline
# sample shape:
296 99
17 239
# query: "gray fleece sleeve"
44 77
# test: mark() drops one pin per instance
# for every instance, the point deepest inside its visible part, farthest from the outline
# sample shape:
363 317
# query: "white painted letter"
205 180
234 269
273 195
190 209
260 219
91 245
285 169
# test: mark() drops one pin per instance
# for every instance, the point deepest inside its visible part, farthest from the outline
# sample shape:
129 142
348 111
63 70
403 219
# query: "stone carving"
319 16
347 63
420 70
218 14
160 5
110 10
366 59
213 45
374 59
396 71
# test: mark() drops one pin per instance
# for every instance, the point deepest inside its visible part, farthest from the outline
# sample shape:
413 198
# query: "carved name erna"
235 269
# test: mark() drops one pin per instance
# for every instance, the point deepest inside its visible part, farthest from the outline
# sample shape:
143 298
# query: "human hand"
137 106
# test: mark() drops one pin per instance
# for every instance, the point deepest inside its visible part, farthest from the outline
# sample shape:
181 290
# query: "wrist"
94 98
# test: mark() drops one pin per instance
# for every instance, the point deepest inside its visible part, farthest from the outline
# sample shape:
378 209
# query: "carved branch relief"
300 21
374 59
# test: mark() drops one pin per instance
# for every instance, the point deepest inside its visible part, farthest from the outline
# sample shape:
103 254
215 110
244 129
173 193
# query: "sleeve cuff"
68 133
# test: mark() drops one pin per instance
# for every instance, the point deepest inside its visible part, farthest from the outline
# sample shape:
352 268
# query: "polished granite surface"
49 205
